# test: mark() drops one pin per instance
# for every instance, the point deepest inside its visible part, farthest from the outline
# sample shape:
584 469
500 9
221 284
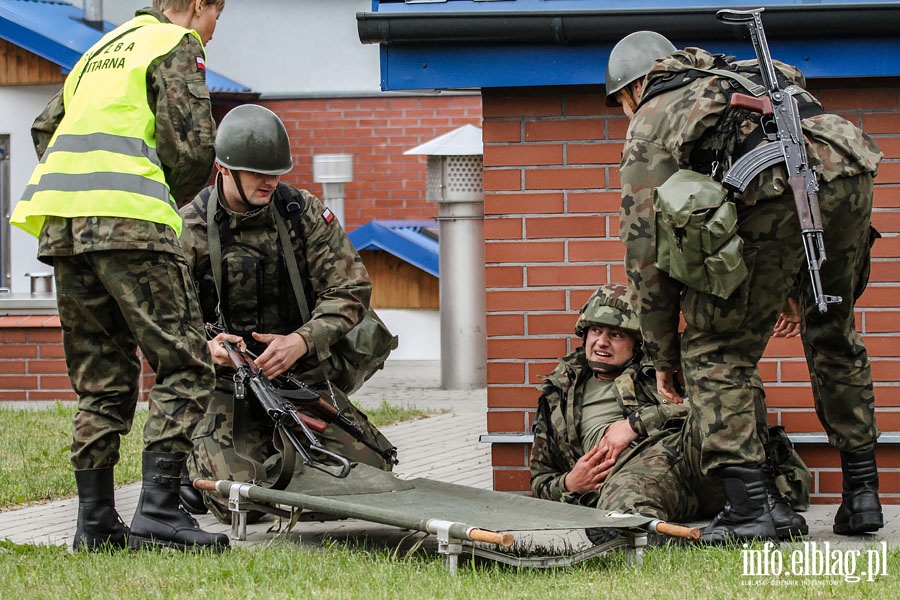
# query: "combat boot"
159 520
99 525
860 510
788 524
191 498
747 514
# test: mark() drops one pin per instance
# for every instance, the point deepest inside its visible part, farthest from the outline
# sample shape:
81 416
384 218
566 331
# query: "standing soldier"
680 120
236 236
129 137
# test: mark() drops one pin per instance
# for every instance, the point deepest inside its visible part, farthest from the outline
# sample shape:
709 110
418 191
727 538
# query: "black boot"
747 515
860 510
788 524
191 498
159 519
99 525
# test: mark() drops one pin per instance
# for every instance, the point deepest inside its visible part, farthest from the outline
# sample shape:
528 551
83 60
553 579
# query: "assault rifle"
284 414
780 122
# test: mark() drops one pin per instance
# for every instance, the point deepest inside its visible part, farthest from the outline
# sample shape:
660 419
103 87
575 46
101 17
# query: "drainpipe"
93 13
454 181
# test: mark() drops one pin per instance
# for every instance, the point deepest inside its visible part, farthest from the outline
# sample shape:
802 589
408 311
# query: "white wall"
18 108
418 333
284 47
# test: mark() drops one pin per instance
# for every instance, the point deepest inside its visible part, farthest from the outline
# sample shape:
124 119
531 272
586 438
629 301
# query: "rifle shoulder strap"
290 207
214 242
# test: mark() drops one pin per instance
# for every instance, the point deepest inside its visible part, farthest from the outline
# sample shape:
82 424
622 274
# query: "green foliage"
390 414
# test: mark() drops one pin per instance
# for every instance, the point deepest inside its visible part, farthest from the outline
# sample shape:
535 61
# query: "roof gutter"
562 27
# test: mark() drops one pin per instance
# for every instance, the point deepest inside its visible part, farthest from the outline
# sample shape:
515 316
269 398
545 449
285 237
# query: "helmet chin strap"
603 368
240 188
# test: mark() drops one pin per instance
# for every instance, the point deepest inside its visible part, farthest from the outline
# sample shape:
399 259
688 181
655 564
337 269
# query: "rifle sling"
279 441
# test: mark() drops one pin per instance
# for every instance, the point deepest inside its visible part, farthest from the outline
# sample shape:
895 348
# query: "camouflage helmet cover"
611 306
632 58
253 138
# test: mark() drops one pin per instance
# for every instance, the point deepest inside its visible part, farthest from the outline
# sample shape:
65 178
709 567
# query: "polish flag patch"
201 64
328 215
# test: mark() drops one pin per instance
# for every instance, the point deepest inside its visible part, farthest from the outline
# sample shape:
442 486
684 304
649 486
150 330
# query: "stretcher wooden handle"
206 485
491 537
691 533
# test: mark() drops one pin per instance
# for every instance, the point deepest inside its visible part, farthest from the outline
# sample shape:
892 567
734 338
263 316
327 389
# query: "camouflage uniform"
257 296
725 338
657 476
123 283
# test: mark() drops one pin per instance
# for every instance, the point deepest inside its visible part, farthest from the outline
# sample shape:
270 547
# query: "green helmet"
610 306
253 138
632 58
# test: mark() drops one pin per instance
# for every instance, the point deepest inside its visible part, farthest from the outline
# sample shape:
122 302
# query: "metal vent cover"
455 178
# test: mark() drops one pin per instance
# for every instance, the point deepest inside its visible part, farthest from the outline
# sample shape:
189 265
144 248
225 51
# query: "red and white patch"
201 64
328 215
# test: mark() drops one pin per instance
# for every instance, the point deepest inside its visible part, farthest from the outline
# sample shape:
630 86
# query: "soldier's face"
609 345
258 189
204 20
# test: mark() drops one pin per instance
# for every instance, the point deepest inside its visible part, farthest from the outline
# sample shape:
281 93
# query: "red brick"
538 369
594 154
565 130
504 277
784 347
794 371
503 229
564 275
551 323
18 382
597 250
524 252
882 345
498 180
885 370
887 197
519 105
20 351
506 372
505 421
48 335
587 104
509 455
13 367
801 421
502 325
789 396
508 480
564 227
768 370
524 204
501 131
886 222
563 179
515 397
525 348
523 154
879 296
51 351
887 321
52 395
593 202
875 123
527 299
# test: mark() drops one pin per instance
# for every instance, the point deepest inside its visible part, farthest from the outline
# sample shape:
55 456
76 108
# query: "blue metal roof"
55 31
472 44
415 242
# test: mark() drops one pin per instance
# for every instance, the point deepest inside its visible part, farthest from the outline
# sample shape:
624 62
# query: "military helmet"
253 138
632 58
611 306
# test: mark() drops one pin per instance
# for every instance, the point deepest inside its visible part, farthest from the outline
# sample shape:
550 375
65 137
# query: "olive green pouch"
696 234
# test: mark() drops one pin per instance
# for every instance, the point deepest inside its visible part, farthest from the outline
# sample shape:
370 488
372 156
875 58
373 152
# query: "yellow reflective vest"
102 159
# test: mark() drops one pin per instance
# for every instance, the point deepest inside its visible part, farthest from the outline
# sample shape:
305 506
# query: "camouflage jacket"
185 131
673 130
257 294
557 442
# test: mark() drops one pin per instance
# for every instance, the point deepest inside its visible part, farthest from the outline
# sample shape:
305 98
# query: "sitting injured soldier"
235 235
604 437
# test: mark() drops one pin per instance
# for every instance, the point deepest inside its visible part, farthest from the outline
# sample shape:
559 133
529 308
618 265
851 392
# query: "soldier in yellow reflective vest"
126 141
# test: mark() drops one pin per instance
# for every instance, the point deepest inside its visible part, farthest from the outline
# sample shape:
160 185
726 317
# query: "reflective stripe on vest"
102 160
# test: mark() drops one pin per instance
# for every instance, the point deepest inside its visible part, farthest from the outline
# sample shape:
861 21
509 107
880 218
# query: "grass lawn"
34 466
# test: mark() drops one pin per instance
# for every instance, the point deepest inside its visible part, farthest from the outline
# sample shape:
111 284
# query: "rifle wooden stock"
761 105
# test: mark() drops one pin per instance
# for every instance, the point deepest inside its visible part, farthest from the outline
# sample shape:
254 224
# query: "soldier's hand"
589 472
665 385
281 352
616 438
217 350
788 324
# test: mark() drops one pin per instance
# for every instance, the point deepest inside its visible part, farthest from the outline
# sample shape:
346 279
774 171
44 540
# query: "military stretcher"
482 522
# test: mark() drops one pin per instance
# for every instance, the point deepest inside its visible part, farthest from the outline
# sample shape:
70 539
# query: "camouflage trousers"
725 338
661 478
245 450
110 304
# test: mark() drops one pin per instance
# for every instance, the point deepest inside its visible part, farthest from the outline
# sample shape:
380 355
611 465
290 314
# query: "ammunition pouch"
696 234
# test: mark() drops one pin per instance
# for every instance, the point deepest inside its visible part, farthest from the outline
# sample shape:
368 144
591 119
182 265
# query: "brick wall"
551 235
376 131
